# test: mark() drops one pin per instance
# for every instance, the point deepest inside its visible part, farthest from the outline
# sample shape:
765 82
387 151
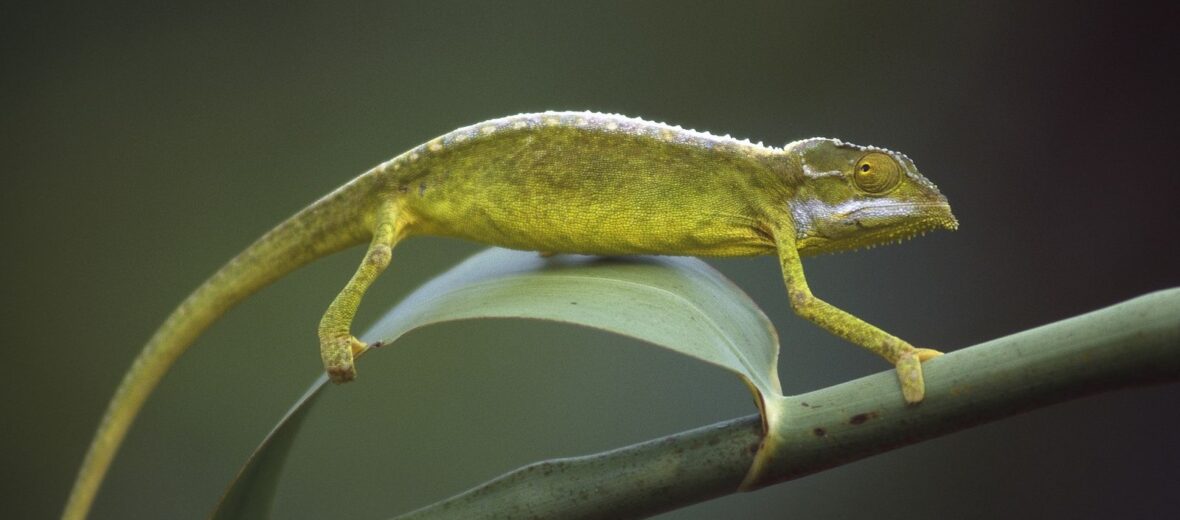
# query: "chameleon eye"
876 173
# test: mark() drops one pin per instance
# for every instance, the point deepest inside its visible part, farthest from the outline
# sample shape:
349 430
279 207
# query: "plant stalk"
1133 343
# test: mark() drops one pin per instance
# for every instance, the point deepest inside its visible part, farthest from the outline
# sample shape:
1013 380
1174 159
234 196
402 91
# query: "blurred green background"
148 142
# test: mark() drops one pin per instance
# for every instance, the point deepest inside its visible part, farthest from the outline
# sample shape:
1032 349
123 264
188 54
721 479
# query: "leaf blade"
251 492
703 315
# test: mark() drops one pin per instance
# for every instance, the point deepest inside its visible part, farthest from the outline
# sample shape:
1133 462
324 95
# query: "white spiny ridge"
604 122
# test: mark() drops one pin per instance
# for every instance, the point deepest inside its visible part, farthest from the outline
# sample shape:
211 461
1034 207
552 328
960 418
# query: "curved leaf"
675 302
679 303
251 493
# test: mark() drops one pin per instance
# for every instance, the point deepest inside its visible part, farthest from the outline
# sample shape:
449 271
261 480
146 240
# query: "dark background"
147 143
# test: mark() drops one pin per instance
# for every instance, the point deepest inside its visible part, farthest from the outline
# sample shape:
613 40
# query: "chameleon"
569 182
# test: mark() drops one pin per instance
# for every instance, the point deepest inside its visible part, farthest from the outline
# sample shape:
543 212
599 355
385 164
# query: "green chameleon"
569 182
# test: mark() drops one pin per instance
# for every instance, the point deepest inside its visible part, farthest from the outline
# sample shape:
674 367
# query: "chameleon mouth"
934 216
884 225
919 228
918 220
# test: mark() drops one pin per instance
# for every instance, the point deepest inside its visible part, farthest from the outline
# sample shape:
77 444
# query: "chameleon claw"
358 347
926 354
909 373
338 355
341 374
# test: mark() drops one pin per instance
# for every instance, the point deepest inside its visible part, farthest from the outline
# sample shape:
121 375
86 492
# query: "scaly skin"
569 182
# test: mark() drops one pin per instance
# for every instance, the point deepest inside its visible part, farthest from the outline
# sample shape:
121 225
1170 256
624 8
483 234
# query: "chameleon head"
859 196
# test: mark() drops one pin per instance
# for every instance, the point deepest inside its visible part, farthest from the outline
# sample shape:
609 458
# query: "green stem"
1133 343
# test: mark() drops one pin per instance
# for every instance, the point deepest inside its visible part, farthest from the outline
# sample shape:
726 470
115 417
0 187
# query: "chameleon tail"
333 223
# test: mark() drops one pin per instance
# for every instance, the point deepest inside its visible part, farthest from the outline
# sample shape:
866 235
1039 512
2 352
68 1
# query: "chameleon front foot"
339 355
909 373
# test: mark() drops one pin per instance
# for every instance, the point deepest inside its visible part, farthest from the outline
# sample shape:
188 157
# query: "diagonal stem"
1133 343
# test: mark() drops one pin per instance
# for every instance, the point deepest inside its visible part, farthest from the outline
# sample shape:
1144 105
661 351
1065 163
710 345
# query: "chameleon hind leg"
338 346
905 357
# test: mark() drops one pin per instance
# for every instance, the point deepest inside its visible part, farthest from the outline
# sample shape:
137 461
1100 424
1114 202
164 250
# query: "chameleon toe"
909 374
926 354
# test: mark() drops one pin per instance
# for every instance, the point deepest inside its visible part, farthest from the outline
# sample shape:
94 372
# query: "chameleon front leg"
338 346
906 358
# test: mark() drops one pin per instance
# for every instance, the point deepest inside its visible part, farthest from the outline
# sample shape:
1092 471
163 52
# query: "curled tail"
335 222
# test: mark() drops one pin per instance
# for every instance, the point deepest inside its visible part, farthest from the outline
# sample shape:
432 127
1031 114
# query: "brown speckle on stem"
861 418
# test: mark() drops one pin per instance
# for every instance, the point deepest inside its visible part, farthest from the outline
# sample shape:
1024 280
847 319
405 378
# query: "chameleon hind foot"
339 355
909 373
338 347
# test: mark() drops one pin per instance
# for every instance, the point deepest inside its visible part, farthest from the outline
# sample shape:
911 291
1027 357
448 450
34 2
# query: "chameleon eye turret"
876 173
